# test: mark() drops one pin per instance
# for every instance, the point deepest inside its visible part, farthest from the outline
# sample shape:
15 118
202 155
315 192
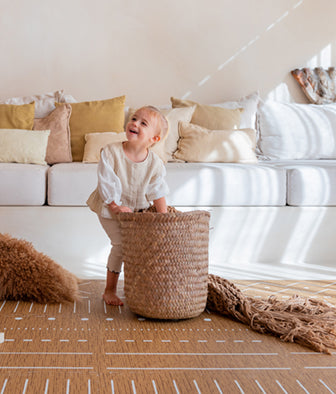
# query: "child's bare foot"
111 298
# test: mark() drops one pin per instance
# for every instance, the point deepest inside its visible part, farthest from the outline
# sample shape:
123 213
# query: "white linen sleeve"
157 187
109 185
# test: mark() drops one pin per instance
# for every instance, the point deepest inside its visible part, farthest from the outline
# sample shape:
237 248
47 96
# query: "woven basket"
165 263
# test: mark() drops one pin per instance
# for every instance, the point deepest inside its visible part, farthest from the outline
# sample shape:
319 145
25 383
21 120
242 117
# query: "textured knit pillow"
211 117
59 148
94 116
23 146
17 116
197 144
26 274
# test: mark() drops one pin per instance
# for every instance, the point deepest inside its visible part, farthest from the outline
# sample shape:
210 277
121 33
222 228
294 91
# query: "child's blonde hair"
163 120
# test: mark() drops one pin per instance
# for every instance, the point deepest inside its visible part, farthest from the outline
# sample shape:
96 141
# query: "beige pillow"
214 118
59 148
17 116
23 146
94 116
95 142
166 147
198 144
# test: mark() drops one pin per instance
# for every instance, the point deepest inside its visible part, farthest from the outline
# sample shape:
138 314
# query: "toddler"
130 176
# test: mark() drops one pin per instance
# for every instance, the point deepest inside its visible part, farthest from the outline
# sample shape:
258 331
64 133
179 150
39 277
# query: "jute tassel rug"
309 322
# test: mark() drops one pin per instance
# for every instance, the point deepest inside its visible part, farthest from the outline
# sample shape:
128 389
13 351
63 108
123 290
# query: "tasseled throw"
309 322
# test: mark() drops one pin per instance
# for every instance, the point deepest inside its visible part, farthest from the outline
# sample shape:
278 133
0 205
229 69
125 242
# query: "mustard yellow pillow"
211 117
94 116
17 116
198 144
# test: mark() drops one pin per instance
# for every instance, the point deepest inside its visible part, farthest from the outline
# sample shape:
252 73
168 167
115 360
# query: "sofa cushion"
71 183
310 182
190 184
23 184
226 184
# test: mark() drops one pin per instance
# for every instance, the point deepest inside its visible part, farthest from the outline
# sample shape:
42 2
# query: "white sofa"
268 220
272 220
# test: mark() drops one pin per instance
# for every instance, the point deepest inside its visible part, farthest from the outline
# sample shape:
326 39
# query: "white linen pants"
112 229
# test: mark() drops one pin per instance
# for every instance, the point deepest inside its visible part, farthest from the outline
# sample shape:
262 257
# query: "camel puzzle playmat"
90 347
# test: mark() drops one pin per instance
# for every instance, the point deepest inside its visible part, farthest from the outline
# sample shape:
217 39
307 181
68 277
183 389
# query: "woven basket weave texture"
166 263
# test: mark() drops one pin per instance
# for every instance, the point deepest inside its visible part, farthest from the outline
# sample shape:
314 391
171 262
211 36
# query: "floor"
89 347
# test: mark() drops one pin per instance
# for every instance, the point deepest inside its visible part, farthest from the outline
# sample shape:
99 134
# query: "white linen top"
126 182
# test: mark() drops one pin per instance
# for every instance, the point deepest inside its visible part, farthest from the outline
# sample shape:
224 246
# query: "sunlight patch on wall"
204 80
282 17
322 59
297 4
280 93
241 50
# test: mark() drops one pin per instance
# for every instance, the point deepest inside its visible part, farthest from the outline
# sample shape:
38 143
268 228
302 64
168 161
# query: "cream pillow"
211 117
94 116
23 146
17 116
95 142
198 144
174 116
166 147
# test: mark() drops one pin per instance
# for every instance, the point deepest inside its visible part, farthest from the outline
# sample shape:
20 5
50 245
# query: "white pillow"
95 142
44 103
198 144
250 105
297 131
23 146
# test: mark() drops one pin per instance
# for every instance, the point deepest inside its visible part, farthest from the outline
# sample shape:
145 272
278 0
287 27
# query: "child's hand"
118 208
160 205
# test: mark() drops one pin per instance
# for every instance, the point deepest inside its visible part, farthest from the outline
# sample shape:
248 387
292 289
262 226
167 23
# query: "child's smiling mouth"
134 132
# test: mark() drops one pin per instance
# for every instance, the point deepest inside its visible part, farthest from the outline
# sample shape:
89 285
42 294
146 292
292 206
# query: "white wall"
210 50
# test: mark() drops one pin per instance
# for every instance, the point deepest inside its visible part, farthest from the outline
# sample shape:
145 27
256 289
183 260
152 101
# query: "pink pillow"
59 147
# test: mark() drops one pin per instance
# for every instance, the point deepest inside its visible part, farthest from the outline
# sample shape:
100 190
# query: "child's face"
143 128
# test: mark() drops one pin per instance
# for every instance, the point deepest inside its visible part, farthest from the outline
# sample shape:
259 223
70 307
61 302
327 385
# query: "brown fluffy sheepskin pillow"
28 275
